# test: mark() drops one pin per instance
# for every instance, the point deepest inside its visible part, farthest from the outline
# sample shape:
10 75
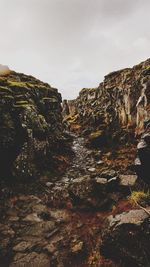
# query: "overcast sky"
72 44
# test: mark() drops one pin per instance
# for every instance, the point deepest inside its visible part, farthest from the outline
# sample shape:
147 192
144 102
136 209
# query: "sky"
72 44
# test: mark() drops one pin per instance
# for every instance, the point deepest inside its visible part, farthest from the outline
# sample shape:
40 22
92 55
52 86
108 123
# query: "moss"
50 99
16 83
21 102
71 119
18 96
38 86
4 89
75 126
139 197
23 105
96 134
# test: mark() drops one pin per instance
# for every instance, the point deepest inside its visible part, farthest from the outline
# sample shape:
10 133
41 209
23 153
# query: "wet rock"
126 238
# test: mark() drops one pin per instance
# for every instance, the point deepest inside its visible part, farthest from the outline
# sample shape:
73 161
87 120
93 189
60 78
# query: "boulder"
31 126
126 238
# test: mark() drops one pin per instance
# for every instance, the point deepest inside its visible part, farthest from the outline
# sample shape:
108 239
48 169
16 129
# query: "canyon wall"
30 123
121 101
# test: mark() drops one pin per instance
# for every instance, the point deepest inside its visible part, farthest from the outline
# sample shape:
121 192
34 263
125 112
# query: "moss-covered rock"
119 105
31 125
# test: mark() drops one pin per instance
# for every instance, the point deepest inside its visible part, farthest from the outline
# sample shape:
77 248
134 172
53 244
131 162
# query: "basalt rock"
119 105
126 238
142 162
31 125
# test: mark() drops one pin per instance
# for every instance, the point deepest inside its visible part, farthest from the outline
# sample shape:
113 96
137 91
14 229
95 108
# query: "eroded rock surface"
60 218
31 125
117 108
142 162
126 238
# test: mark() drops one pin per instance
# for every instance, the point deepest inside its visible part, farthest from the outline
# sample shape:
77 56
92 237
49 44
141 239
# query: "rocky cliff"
95 212
120 102
30 123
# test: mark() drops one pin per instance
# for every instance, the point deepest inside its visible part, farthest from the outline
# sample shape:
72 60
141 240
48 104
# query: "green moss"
21 102
18 96
51 99
22 105
4 89
16 83
36 85
96 134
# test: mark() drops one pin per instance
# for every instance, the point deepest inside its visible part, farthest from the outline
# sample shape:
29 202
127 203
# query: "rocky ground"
60 222
69 194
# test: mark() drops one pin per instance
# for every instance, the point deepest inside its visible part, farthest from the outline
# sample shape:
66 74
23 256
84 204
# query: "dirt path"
47 225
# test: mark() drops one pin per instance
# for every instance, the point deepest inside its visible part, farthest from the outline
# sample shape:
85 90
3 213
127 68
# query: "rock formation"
120 103
126 236
31 125
142 162
95 212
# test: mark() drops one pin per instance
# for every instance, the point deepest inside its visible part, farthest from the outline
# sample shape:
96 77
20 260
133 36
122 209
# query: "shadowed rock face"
30 124
142 162
122 101
127 236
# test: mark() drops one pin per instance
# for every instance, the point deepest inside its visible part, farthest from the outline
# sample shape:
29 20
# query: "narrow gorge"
75 174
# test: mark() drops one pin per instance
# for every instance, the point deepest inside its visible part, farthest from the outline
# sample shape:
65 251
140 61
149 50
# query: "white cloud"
73 43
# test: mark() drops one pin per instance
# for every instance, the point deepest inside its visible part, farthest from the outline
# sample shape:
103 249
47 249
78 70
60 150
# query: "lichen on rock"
31 125
119 105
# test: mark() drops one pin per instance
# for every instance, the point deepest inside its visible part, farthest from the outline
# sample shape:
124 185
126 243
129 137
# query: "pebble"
32 218
91 169
100 162
49 184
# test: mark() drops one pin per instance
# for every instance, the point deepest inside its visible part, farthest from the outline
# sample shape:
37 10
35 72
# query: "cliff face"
30 123
121 101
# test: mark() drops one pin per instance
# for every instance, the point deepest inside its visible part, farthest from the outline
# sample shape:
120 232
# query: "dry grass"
139 197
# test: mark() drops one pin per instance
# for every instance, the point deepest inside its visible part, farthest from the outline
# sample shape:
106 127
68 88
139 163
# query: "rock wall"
30 123
121 101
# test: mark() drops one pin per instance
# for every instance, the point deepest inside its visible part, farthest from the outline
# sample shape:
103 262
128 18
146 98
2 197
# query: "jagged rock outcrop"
126 238
31 125
121 102
142 162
